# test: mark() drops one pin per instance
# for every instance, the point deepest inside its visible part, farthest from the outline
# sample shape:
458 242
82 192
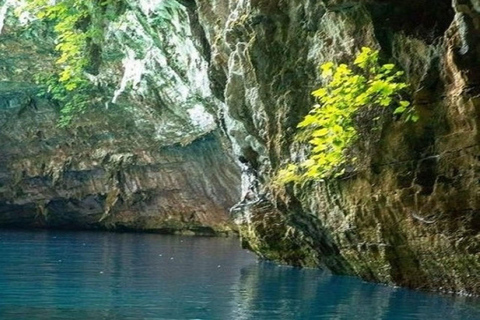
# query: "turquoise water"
88 275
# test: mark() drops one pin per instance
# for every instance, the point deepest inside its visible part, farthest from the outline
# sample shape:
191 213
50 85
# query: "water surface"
89 275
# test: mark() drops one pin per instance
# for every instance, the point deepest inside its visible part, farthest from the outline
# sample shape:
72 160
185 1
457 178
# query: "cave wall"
106 173
410 213
148 155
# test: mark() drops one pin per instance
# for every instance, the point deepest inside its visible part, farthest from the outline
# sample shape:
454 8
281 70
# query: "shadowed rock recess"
234 77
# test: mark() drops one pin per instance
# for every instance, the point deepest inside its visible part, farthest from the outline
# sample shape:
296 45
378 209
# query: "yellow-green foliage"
77 24
329 127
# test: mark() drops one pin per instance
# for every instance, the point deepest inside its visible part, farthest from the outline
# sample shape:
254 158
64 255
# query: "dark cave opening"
415 18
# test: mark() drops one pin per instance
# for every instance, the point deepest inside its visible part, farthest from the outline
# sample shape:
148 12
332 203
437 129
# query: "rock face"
105 173
155 160
410 213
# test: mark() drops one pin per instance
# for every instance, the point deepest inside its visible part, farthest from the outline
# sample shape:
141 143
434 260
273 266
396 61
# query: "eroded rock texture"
410 213
148 156
105 173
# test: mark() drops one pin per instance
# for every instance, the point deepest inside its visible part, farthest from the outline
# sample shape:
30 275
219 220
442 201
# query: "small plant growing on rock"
80 28
329 128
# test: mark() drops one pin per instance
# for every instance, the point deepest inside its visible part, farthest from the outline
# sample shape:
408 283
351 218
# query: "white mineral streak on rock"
3 12
201 117
149 6
163 57
133 71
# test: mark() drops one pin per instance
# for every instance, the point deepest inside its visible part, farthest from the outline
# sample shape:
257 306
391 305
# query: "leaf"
385 102
317 141
337 128
65 75
377 86
399 110
308 120
308 163
319 93
327 69
312 172
71 86
320 148
320 132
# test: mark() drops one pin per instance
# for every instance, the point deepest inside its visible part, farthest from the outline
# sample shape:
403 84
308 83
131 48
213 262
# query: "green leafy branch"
329 128
79 25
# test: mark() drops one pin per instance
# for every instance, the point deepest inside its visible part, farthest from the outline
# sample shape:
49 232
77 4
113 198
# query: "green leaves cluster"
329 128
78 24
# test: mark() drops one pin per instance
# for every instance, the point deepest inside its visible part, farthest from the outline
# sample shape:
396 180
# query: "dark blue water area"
90 275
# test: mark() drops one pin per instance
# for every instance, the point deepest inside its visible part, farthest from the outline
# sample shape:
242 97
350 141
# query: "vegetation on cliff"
330 128
79 27
92 38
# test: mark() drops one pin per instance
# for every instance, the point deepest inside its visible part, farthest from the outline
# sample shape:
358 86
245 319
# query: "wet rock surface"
409 214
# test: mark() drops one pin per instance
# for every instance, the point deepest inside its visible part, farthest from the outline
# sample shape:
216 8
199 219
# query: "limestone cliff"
104 173
147 156
410 213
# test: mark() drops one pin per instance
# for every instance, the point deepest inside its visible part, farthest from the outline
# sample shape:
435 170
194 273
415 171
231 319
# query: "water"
87 275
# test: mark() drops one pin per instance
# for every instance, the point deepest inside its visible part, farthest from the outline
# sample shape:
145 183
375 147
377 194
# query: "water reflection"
267 291
65 275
